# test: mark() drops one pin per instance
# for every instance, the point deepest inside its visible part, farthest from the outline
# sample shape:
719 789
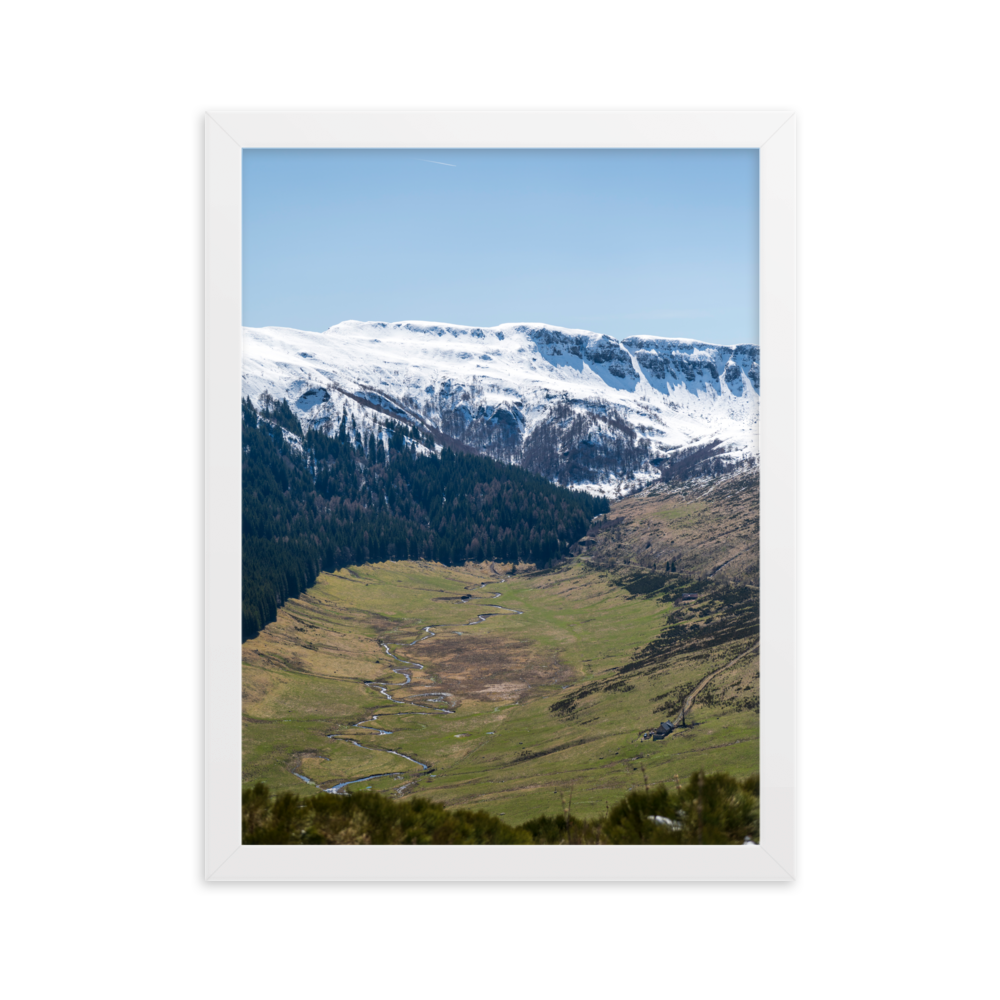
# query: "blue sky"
623 242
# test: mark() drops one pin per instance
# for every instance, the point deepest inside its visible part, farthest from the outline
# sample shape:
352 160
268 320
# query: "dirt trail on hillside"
689 700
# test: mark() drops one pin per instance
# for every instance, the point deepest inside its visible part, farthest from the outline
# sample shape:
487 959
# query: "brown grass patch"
488 668
706 529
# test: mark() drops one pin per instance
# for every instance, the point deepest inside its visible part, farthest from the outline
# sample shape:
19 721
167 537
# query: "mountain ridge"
579 407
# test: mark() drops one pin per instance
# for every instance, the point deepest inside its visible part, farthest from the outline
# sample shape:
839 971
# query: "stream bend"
382 687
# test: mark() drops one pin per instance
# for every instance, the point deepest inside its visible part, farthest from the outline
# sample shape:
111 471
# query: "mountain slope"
577 407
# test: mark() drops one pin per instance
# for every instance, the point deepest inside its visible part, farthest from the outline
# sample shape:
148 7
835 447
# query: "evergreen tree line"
315 501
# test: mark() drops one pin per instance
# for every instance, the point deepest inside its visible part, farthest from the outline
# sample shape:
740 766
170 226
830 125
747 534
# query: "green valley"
516 690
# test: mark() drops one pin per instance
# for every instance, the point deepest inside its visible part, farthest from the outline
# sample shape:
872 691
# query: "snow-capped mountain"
578 407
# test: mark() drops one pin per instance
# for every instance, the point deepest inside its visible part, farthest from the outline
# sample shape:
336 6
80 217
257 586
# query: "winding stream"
382 687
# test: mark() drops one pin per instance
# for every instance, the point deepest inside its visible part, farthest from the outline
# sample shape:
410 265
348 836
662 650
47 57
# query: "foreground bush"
712 809
366 818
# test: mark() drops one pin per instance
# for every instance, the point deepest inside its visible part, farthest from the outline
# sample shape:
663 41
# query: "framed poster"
227 134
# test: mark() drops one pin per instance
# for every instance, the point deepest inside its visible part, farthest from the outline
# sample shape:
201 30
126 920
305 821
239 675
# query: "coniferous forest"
314 501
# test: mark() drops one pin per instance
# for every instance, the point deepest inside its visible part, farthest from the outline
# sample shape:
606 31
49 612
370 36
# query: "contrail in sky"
438 162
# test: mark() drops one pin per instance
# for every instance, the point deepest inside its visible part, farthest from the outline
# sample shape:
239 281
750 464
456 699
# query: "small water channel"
405 670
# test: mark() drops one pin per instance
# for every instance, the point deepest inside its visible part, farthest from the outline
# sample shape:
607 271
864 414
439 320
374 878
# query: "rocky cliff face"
579 407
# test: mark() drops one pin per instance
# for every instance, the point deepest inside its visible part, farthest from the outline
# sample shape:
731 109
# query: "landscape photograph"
500 497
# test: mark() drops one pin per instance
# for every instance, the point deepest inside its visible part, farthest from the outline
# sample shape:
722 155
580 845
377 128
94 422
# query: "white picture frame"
226 135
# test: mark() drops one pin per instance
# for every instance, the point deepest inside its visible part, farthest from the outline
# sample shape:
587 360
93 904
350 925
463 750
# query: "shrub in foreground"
366 818
712 809
709 809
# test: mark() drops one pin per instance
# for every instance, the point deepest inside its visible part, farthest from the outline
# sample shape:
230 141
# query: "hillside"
699 529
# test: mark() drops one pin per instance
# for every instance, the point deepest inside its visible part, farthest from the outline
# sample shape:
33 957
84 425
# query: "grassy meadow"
519 714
